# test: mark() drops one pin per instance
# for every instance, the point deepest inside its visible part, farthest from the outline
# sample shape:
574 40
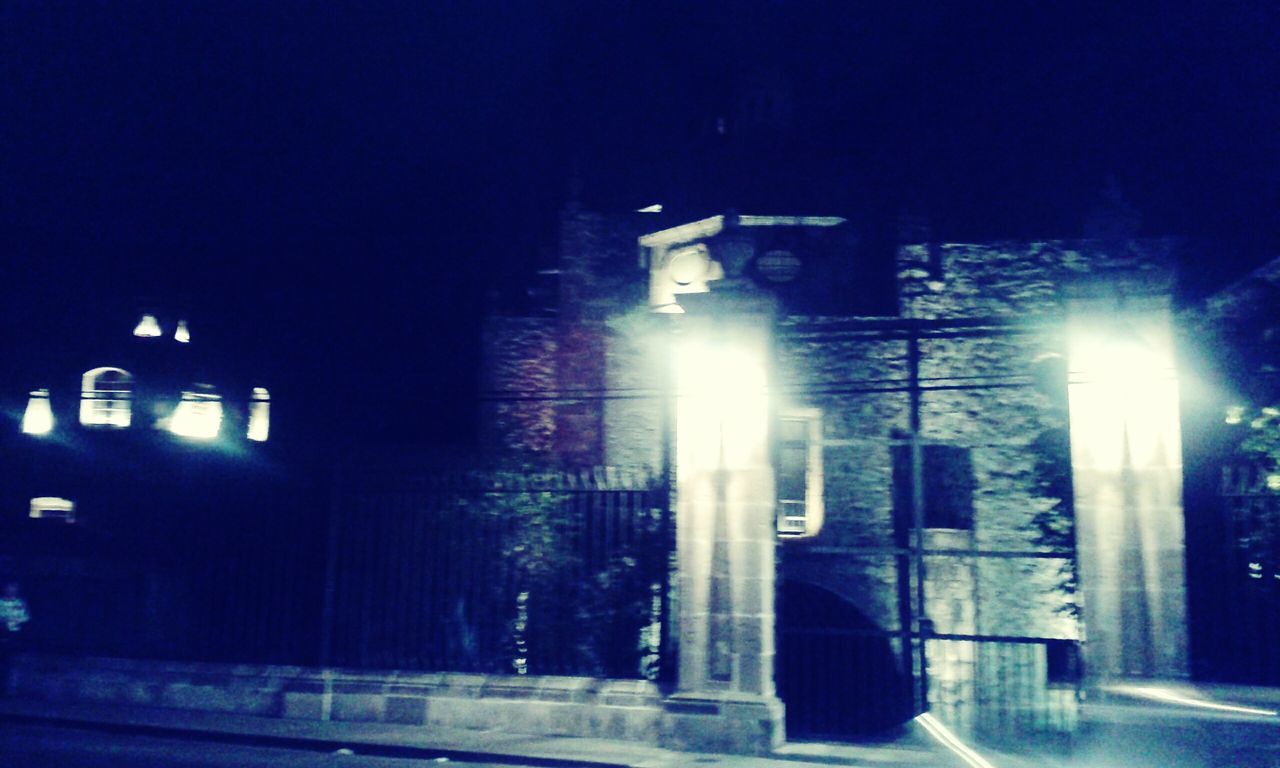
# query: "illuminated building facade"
978 479
124 454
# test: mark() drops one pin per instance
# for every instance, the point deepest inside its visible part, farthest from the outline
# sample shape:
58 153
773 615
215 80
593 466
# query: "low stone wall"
629 710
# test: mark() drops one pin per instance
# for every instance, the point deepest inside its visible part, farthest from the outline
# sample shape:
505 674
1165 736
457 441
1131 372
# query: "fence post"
330 571
922 623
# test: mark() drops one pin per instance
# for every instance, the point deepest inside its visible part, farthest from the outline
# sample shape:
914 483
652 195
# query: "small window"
105 395
38 418
259 415
53 508
948 487
198 415
798 478
1063 665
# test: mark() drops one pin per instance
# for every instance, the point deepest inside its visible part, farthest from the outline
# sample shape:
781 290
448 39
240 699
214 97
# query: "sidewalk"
914 748
1124 711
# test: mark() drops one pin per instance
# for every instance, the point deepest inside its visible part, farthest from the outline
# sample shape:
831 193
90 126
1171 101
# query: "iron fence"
501 573
1243 641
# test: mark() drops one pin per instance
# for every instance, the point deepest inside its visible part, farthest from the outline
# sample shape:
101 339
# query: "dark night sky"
331 188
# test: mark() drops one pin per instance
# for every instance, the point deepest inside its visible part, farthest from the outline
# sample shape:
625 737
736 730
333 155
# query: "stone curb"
304 743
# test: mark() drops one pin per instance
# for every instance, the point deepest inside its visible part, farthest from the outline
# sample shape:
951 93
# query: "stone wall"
552 383
518 373
999 394
629 710
996 395
851 379
846 377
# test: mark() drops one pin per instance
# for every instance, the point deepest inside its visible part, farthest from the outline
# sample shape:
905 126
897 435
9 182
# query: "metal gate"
909 605
1245 607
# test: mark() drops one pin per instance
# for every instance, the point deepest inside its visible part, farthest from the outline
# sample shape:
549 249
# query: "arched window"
105 395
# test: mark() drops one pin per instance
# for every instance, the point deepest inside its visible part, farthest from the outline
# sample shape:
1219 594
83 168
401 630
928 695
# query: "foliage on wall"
1054 519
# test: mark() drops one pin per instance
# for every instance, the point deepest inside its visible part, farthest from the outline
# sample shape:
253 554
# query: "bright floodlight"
723 404
198 416
1126 460
182 334
38 418
147 327
1123 389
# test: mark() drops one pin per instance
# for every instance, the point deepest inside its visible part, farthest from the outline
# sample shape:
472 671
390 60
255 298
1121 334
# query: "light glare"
1126 460
182 334
946 738
1158 693
723 406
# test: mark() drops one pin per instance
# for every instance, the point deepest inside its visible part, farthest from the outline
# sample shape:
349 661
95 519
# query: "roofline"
713 225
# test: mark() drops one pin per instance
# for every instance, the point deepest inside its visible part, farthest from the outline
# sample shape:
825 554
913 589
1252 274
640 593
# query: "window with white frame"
53 508
259 415
198 415
798 478
105 398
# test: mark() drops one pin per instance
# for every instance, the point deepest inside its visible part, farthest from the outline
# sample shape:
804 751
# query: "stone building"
953 493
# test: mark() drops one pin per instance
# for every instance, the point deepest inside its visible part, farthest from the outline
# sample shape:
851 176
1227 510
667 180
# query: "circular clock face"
688 265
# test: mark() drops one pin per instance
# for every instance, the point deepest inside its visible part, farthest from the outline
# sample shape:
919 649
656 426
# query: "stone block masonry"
627 710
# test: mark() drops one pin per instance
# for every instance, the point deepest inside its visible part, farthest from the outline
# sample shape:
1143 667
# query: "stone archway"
837 671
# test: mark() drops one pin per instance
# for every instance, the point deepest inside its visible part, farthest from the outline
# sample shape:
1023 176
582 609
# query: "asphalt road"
1136 737
24 746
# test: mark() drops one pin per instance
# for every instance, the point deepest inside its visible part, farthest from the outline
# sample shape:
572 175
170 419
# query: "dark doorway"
837 672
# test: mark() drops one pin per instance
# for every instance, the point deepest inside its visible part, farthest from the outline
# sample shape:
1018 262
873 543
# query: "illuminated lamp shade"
182 334
198 415
38 418
148 327
259 415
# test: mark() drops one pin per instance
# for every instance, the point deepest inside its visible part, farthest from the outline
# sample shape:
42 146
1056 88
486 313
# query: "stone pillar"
725 539
1126 457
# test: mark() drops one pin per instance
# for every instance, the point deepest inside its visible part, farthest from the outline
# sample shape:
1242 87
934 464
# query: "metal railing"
500 573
